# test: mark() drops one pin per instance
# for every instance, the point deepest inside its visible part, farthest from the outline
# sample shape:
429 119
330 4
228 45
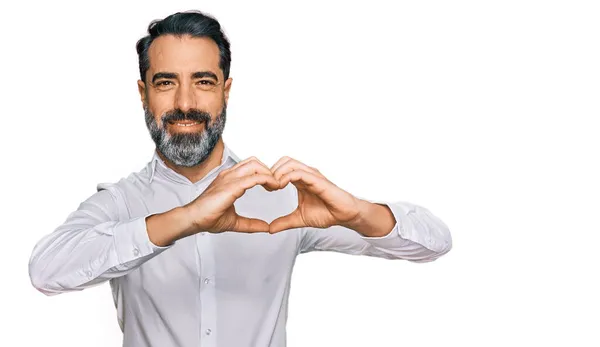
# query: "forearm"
418 235
90 247
402 230
167 227
375 220
72 258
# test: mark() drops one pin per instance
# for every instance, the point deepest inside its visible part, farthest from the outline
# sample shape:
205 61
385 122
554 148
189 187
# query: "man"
199 245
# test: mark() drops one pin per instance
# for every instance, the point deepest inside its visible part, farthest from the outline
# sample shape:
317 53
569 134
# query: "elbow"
444 244
38 281
39 275
434 252
435 245
42 281
434 255
48 286
424 251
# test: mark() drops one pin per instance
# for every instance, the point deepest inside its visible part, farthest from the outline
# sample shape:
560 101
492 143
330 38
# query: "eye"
206 85
206 82
163 83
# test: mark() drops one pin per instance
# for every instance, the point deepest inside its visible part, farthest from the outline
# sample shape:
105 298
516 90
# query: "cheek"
159 105
212 104
160 102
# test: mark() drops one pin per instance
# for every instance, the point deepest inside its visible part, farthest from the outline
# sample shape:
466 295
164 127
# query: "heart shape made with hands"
321 203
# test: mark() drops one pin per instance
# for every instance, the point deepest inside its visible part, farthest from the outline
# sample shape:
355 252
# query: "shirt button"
206 280
136 252
208 331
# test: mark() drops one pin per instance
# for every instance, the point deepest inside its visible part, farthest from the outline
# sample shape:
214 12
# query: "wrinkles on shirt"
226 289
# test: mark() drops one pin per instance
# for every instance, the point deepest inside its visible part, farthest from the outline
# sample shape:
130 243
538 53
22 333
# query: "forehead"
184 55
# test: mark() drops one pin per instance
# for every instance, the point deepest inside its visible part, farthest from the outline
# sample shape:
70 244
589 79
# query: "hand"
321 203
213 210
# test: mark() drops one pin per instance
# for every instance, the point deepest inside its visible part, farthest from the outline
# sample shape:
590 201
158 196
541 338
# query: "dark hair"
194 23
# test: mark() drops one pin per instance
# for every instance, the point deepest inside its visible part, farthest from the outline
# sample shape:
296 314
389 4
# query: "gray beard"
186 149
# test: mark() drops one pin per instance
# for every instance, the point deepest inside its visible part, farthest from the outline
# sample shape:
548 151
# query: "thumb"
292 220
250 225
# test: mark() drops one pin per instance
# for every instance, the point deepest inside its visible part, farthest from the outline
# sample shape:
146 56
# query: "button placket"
208 309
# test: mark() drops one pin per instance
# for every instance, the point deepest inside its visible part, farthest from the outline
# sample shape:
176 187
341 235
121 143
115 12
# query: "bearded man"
199 246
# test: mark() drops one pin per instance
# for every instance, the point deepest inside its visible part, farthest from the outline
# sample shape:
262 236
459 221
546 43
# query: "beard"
186 149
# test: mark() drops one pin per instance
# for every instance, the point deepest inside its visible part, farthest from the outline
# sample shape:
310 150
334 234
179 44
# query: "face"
185 98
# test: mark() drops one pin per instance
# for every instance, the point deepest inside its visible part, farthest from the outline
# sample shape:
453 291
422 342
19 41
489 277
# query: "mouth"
185 124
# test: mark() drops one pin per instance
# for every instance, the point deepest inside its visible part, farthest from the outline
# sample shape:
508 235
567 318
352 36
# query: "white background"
484 112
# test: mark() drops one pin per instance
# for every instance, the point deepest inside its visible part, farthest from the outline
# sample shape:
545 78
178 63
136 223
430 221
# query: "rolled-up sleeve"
418 236
90 247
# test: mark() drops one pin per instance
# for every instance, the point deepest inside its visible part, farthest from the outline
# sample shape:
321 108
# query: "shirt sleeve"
418 236
90 247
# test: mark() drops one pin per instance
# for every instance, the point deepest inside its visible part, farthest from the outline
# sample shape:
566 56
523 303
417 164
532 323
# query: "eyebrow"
167 75
201 74
171 75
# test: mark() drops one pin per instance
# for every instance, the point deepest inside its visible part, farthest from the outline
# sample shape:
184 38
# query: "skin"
321 203
183 57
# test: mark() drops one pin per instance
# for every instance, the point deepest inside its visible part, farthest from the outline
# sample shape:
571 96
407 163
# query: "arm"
94 245
91 247
332 219
416 234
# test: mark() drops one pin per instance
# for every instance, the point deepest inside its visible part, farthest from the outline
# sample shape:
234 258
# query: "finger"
313 183
252 167
260 162
250 225
280 162
292 165
241 163
240 185
292 220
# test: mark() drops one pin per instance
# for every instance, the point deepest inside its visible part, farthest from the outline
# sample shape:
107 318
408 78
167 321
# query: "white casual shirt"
226 289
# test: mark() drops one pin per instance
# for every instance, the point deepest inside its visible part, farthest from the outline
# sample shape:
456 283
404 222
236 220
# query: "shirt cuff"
132 241
395 237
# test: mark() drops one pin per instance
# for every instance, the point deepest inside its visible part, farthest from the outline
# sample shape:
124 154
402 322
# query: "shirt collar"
228 156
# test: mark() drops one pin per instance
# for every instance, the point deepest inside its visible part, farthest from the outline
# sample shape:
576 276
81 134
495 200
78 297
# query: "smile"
185 123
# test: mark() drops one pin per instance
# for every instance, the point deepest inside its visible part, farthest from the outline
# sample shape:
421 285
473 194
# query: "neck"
198 172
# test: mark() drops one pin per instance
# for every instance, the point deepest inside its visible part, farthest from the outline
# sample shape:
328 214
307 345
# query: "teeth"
187 125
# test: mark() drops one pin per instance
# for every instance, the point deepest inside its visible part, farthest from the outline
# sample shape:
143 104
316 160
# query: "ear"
142 91
227 88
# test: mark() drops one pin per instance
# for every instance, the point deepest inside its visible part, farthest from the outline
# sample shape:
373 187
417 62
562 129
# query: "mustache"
191 115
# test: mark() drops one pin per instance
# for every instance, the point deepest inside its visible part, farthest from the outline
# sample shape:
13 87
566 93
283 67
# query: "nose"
184 99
